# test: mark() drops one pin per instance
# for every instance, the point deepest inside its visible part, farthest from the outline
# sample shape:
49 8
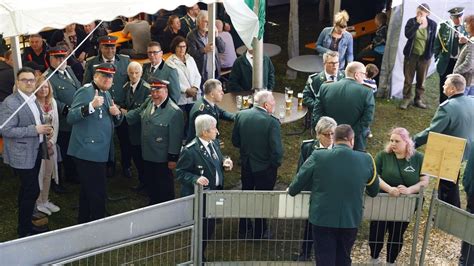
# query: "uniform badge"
201 107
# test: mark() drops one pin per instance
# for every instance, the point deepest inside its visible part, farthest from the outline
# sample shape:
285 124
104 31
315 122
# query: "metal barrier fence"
451 220
155 233
286 219
172 233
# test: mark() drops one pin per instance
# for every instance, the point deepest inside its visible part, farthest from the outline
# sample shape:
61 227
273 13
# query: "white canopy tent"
18 17
391 76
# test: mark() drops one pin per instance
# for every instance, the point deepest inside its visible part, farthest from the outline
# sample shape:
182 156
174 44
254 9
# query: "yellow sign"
443 156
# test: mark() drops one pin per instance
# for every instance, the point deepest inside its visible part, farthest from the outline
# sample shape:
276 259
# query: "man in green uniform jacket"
137 91
337 192
208 105
348 102
93 116
202 163
447 45
241 76
454 117
331 73
108 54
157 68
65 84
162 123
257 134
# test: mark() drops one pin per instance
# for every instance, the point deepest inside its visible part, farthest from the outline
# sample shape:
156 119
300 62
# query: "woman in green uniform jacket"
398 167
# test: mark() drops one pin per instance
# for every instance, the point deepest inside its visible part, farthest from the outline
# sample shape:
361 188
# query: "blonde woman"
336 38
49 168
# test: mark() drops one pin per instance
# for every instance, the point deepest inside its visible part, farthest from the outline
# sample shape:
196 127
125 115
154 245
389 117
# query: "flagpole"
257 74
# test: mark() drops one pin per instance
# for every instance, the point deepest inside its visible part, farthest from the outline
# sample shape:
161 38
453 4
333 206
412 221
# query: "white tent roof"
19 17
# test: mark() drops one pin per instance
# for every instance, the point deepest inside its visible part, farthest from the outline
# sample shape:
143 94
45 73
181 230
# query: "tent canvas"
392 76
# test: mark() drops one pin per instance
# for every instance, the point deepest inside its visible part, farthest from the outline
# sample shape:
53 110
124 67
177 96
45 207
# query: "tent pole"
16 53
337 8
257 74
211 62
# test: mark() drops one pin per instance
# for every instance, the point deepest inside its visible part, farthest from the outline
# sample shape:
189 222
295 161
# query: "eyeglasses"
332 63
154 52
28 80
328 134
181 46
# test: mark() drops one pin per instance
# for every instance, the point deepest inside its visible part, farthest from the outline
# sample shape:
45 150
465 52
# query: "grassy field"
387 116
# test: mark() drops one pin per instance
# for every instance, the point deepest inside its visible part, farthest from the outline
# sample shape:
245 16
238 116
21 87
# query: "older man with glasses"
348 102
331 73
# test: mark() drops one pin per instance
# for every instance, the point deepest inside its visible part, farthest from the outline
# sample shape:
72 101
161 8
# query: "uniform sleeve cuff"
173 157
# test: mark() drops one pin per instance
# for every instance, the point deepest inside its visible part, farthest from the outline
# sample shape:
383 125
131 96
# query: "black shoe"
110 172
127 172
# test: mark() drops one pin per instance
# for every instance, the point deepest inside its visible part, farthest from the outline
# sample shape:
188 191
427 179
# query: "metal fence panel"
78 239
455 221
387 208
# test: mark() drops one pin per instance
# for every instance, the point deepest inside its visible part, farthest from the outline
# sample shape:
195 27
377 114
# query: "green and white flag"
245 21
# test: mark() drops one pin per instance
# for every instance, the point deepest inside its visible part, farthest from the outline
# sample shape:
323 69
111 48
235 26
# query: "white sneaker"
373 261
51 207
42 208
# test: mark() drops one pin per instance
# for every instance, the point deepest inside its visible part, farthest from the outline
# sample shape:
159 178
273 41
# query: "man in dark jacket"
7 77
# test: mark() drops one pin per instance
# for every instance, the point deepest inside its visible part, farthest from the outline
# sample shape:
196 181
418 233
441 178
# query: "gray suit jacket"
465 63
196 50
20 138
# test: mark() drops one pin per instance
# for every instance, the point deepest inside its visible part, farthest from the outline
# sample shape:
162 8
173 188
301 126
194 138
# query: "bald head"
356 70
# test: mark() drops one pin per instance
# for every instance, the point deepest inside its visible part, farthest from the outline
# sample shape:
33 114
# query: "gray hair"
324 124
331 54
354 67
262 97
457 81
204 123
134 64
202 14
210 85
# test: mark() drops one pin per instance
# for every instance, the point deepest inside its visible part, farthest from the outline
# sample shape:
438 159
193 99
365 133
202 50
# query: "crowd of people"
166 117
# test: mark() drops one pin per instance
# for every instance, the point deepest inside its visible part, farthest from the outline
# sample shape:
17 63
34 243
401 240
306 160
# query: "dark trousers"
68 163
449 192
395 232
307 239
467 250
186 108
261 180
442 79
136 152
158 181
93 195
29 191
412 65
332 246
208 226
124 140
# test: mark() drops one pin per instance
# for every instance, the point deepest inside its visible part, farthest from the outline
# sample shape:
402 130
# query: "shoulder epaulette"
146 85
444 103
173 104
190 144
126 84
87 85
308 140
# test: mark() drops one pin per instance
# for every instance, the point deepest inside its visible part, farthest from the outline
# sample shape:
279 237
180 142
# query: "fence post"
198 214
429 222
419 210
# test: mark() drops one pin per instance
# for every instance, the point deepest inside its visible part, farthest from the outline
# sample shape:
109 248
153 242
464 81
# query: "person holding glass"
336 38
398 167
324 140
49 167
